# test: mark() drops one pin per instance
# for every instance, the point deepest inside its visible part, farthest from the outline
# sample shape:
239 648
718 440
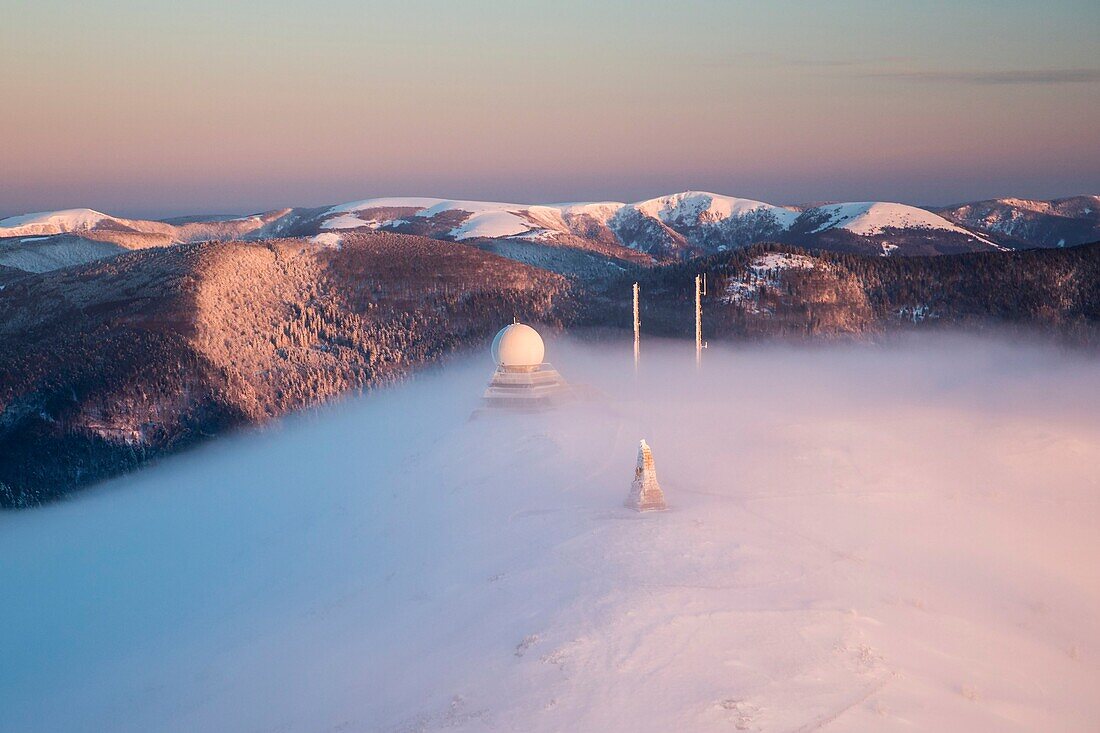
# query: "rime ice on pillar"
645 492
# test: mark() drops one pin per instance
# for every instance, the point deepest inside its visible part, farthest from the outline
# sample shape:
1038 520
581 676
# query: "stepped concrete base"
526 388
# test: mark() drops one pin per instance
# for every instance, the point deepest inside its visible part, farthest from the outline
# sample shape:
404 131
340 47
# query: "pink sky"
201 107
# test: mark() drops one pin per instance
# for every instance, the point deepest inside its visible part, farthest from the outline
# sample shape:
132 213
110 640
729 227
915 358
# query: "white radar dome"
518 345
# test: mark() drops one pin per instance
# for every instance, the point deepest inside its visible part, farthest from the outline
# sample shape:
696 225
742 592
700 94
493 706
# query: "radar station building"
522 380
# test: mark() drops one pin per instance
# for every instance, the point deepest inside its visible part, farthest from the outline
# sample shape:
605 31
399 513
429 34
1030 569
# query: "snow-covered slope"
694 208
875 217
866 540
475 218
82 221
883 228
702 222
1056 223
42 254
485 219
674 219
52 222
50 240
456 220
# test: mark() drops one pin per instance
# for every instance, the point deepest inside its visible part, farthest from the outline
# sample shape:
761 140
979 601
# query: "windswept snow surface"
868 538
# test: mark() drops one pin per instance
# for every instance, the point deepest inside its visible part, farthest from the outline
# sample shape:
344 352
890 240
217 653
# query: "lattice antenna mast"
700 291
637 328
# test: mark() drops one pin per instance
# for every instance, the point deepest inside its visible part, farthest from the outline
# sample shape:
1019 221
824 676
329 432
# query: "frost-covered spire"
645 492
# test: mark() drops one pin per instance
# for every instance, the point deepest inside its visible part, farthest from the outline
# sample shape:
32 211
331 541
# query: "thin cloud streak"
994 78
764 59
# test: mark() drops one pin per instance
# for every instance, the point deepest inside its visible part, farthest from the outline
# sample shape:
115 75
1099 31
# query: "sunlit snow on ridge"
687 209
875 217
697 215
50 222
701 207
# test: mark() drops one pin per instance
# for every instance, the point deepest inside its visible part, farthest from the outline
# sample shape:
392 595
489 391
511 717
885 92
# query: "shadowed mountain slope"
1015 222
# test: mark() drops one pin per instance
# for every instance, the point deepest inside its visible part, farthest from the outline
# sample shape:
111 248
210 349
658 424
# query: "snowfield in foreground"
860 538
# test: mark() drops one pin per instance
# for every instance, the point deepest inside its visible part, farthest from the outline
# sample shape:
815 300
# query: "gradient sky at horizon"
153 108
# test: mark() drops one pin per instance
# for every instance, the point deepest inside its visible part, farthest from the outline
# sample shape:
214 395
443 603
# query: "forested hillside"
108 364
776 290
105 365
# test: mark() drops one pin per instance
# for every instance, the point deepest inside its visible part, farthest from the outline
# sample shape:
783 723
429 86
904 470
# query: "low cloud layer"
897 536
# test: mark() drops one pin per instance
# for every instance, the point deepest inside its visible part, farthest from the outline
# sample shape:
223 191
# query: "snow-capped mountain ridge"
1061 222
45 223
1059 207
875 217
702 206
675 226
689 222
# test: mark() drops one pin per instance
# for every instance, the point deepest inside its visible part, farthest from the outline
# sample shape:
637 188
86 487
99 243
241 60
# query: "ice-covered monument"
522 380
645 492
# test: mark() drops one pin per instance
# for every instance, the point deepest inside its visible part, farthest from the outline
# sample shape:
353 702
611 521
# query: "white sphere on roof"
518 345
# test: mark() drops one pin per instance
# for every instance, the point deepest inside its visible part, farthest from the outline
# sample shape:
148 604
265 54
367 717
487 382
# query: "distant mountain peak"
51 222
1020 222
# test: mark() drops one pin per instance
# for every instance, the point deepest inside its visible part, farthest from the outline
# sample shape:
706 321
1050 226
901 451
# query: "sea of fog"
859 538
